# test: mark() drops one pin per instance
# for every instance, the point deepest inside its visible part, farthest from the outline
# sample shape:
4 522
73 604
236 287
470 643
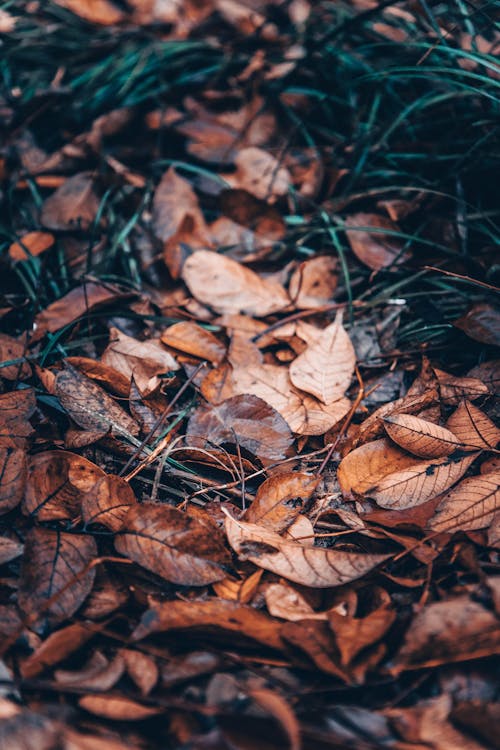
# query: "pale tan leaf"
470 505
117 708
377 249
420 482
472 427
301 531
260 173
173 201
369 464
317 567
193 339
280 499
454 389
285 602
422 438
228 287
102 12
494 532
325 368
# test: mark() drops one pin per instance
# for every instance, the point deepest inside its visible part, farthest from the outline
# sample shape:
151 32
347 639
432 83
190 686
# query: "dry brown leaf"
247 210
325 368
193 339
456 629
422 438
454 390
90 406
317 641
102 12
117 708
142 669
103 374
317 567
375 249
99 673
274 704
57 481
16 408
107 502
222 614
142 360
314 282
228 287
244 420
301 530
481 323
173 545
472 427
280 499
416 484
80 301
31 245
470 505
353 634
108 594
285 602
74 205
260 173
55 574
494 532
173 201
13 350
369 464
9 549
13 474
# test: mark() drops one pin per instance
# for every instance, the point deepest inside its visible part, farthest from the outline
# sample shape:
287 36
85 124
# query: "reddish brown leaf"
274 704
101 12
12 477
280 499
55 575
481 323
15 410
369 464
212 615
257 215
244 420
173 545
107 502
284 601
454 390
318 567
353 634
117 708
99 673
9 549
376 249
317 641
420 437
192 339
142 669
74 205
31 244
175 199
259 173
13 350
57 481
314 282
103 374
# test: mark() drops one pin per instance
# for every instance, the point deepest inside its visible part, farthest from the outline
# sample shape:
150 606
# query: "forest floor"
249 375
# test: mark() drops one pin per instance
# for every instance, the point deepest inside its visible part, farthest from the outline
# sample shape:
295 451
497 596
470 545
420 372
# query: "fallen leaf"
285 602
117 708
107 502
259 173
74 205
57 647
193 339
101 12
353 634
220 614
245 420
16 408
13 474
9 549
244 208
103 374
228 287
314 282
481 323
369 464
57 481
188 666
422 438
470 505
30 245
317 641
280 499
142 360
90 406
274 704
142 669
99 673
455 629
379 248
454 390
80 301
472 427
13 350
108 594
317 567
173 545
325 368
55 574
174 199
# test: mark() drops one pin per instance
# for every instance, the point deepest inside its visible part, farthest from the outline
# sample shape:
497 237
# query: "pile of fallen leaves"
235 512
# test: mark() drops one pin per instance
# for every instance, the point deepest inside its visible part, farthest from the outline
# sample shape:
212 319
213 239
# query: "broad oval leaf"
246 420
472 427
470 505
228 287
193 339
326 366
56 483
90 406
12 477
16 408
317 567
314 282
117 708
74 205
55 577
173 545
280 499
454 389
370 463
377 248
108 502
420 437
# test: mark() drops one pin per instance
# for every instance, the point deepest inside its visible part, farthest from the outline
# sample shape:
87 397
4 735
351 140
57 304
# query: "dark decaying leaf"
12 477
13 350
74 204
107 502
99 673
90 406
16 408
377 248
245 420
55 575
481 323
57 481
173 545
